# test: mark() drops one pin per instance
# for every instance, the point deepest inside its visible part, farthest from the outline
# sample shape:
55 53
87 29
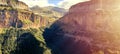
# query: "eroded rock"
90 27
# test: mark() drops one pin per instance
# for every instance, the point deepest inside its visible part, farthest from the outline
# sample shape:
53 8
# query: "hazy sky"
59 3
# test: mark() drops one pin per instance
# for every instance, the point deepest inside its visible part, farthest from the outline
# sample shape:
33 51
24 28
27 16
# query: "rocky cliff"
14 4
90 27
21 30
20 18
12 15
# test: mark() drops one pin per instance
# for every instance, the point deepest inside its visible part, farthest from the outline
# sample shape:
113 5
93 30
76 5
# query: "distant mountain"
12 15
21 30
50 11
57 9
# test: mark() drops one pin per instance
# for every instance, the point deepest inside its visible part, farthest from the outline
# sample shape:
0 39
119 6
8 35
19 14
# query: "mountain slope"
51 12
12 15
90 27
21 30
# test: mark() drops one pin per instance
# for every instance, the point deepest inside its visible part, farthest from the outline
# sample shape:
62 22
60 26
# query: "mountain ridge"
12 15
50 11
14 4
88 28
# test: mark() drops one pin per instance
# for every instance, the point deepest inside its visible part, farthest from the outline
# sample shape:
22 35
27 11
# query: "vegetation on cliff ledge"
23 41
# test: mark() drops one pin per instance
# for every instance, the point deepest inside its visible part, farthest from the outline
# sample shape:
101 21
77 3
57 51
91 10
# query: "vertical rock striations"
14 13
90 27
15 18
14 4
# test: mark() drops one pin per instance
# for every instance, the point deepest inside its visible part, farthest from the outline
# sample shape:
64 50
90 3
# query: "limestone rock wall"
14 4
91 27
19 19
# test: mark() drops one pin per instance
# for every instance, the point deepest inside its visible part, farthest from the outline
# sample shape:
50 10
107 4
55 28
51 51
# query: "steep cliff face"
18 4
14 4
90 27
21 30
5 18
16 18
14 13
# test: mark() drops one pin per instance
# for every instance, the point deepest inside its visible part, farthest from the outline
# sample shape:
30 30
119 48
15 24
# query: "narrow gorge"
91 27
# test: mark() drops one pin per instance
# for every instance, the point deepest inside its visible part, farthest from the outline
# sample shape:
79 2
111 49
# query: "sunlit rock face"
21 19
14 4
3 2
91 27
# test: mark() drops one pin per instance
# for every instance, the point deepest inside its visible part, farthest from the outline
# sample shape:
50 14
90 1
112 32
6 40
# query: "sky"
58 3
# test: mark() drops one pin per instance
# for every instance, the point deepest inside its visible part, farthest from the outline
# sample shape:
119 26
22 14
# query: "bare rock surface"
90 27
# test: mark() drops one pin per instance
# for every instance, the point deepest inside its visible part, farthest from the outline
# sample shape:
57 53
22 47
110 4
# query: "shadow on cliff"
63 41
51 37
17 24
27 44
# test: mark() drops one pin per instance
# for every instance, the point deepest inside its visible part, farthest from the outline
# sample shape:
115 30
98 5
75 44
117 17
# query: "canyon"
90 27
17 14
12 15
21 27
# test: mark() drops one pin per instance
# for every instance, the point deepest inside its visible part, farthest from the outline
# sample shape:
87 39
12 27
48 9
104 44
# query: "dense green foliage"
23 41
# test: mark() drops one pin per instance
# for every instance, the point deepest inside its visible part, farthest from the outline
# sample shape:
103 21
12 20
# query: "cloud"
68 3
41 3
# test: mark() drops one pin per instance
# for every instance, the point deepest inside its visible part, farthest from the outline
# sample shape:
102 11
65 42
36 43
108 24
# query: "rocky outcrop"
12 15
24 19
3 2
18 5
14 4
90 27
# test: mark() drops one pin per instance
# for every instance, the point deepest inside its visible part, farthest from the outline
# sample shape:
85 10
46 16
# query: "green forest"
23 41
